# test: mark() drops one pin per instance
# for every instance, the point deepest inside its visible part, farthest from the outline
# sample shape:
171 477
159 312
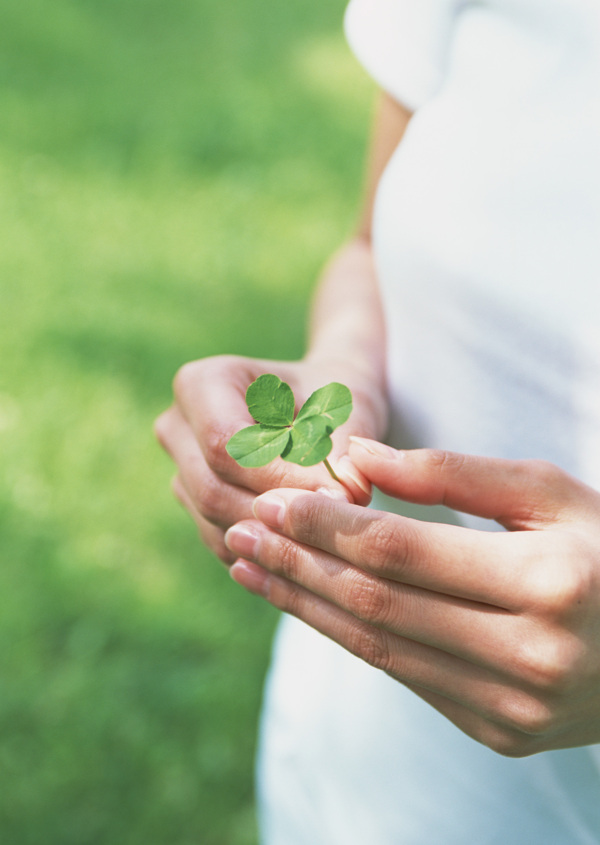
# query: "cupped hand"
500 631
210 407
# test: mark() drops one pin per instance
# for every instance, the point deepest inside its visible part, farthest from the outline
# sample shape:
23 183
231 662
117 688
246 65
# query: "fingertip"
158 425
251 577
270 508
178 490
361 448
162 427
393 471
353 480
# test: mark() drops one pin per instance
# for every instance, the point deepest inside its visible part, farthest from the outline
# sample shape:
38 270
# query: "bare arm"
347 318
500 632
391 121
346 344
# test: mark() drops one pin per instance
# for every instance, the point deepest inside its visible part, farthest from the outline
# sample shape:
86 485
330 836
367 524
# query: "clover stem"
330 470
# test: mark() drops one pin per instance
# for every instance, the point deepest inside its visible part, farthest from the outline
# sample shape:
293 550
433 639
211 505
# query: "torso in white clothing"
486 234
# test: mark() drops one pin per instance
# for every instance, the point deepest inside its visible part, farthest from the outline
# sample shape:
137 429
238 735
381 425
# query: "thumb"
519 494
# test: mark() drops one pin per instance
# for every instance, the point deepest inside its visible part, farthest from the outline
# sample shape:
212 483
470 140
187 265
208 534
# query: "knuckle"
190 377
562 587
288 559
527 717
507 744
380 544
366 598
552 665
310 518
544 472
162 427
542 483
289 599
442 465
206 493
185 378
205 502
442 461
370 644
570 593
215 441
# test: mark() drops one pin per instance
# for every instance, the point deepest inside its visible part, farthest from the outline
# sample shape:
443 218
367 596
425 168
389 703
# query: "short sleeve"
403 44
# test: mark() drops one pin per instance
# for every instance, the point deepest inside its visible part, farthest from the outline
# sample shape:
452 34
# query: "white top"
487 227
487 241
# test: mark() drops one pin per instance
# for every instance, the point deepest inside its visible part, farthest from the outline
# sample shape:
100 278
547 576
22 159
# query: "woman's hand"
500 631
210 407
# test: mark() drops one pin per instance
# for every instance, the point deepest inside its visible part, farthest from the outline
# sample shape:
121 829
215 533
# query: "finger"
520 494
407 661
352 479
214 499
210 395
490 637
211 535
501 738
475 565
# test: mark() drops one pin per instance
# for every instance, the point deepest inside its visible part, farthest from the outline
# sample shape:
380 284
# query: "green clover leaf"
309 442
333 403
305 440
258 445
270 401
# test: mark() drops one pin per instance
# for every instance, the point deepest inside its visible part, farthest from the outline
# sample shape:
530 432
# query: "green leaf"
332 402
257 445
305 440
270 401
309 442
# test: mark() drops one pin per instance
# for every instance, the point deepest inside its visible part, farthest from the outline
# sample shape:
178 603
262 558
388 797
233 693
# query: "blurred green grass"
172 175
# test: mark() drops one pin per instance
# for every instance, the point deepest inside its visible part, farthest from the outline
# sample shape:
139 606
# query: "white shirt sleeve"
403 44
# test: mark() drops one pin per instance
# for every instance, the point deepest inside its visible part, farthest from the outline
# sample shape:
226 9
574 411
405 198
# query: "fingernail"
338 495
345 469
373 447
270 509
243 540
251 578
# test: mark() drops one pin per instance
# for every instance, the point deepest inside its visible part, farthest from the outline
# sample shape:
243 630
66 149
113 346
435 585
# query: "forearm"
347 331
347 323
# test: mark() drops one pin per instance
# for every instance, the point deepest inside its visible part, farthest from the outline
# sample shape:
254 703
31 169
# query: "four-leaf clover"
305 439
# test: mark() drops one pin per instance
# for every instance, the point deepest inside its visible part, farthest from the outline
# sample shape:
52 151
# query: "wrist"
367 384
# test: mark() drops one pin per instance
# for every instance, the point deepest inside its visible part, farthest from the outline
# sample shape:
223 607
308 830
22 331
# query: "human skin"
500 631
346 344
210 407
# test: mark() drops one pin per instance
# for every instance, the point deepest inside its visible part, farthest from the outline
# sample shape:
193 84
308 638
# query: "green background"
172 175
